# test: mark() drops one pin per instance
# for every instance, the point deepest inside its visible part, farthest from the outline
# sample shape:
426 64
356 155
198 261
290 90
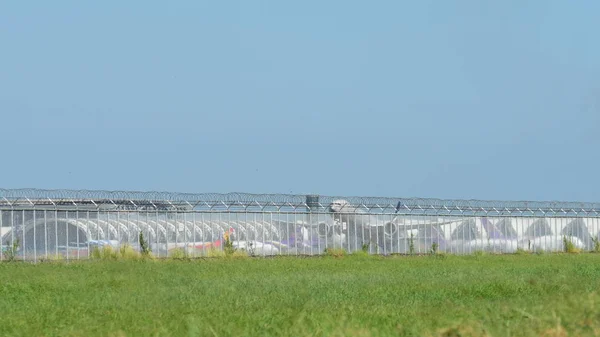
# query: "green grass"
350 295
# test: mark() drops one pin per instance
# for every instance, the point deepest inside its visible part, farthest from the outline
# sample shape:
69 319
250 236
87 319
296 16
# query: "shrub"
240 254
128 253
11 253
214 252
361 253
178 254
105 253
434 248
335 252
569 246
53 258
228 244
596 241
145 247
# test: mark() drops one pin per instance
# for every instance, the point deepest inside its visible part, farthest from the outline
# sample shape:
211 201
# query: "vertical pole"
45 234
312 206
77 226
22 226
55 230
34 236
87 232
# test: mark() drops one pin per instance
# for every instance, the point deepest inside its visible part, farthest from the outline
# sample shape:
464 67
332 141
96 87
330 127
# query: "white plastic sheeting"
268 234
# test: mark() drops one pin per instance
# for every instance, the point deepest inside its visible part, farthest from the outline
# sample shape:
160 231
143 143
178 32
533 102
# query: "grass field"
516 295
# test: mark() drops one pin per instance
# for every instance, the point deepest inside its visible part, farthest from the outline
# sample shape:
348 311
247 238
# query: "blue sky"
447 99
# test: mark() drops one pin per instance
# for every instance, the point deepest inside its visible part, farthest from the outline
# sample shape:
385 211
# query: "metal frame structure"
166 201
73 222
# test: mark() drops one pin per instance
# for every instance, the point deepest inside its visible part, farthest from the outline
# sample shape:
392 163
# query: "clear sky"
447 99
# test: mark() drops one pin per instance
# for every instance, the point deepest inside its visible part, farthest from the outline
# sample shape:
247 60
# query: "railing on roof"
166 201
